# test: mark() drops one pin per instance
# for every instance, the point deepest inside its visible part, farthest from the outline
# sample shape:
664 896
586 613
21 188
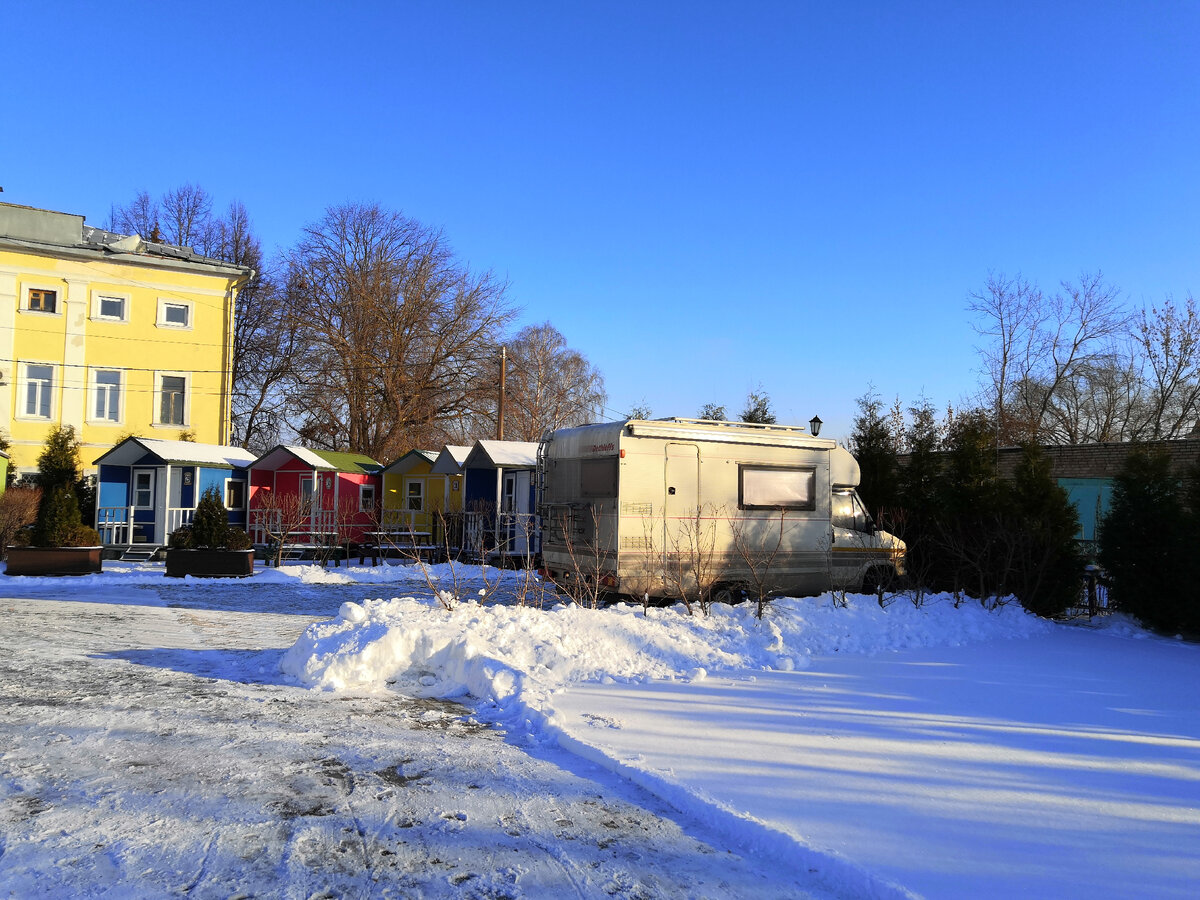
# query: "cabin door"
681 499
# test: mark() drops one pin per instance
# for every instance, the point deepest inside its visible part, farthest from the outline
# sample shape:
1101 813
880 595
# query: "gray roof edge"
147 260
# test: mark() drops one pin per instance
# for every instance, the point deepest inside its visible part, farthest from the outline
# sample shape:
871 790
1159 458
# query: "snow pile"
514 658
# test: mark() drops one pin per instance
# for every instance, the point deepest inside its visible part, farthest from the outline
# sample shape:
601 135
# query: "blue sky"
703 197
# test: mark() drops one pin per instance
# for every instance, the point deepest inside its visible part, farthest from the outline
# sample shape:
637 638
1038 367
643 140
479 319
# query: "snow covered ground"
156 738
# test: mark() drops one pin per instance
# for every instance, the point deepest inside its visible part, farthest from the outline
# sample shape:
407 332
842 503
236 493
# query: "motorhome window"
848 511
776 487
598 477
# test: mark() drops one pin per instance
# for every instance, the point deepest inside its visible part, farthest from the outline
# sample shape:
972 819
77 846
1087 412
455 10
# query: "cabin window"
235 494
776 487
37 392
598 477
366 497
415 495
143 489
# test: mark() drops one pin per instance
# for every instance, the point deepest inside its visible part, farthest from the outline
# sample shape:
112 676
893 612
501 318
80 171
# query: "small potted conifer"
59 544
210 547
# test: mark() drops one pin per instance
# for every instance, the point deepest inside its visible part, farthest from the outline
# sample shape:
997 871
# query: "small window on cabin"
235 494
41 300
143 490
366 497
776 487
415 491
598 477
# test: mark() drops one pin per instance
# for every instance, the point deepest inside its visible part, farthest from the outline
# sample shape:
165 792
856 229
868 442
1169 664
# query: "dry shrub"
18 508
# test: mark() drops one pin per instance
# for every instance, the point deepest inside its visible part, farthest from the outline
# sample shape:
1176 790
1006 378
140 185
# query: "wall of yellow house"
82 342
434 490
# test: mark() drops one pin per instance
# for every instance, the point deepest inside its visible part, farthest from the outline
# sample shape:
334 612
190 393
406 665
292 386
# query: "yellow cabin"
110 334
417 491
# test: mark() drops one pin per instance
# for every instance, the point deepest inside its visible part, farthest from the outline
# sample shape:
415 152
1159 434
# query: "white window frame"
60 297
93 396
23 382
98 298
795 487
133 489
187 399
364 489
164 302
408 496
245 493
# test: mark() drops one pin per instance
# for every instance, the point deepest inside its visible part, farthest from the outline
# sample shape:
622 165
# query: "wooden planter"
54 561
210 563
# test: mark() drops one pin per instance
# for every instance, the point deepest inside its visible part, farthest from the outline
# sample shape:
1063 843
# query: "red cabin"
317 497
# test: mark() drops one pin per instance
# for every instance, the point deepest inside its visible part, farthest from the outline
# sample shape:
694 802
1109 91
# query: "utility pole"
500 405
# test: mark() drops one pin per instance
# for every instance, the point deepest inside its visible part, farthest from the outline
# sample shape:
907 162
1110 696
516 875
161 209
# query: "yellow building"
416 492
110 334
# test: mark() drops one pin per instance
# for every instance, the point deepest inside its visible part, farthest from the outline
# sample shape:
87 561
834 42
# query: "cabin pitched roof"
502 454
219 456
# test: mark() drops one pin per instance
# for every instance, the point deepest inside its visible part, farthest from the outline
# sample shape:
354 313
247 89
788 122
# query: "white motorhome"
662 507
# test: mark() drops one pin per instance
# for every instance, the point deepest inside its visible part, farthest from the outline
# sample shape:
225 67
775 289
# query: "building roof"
410 459
350 462
65 234
502 454
318 459
134 449
450 460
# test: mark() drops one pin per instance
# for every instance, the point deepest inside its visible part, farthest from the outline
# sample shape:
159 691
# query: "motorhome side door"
681 490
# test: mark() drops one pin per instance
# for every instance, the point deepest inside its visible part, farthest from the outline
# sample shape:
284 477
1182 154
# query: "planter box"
210 563
54 561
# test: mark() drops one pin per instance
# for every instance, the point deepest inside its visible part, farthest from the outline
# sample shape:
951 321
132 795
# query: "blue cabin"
501 509
147 488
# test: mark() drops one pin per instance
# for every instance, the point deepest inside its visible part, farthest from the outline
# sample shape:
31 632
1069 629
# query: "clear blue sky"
701 196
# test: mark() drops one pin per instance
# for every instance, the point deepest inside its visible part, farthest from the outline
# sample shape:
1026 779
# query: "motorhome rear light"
622 454
609 581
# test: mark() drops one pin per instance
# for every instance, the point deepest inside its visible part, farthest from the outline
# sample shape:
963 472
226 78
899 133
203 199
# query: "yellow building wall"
76 341
395 494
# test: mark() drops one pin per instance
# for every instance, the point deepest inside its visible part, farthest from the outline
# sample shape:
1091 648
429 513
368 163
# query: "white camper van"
662 507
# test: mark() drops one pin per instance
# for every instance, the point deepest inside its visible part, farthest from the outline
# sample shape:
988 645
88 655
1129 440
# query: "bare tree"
549 385
693 566
757 543
1170 338
1044 351
186 218
138 217
396 335
278 516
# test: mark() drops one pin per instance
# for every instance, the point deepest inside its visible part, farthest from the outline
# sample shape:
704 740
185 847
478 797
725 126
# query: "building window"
41 300
366 497
415 493
106 394
235 494
174 314
143 490
776 487
37 391
110 307
172 399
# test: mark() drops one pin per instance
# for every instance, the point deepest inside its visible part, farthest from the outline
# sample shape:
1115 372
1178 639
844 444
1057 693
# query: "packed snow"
834 747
